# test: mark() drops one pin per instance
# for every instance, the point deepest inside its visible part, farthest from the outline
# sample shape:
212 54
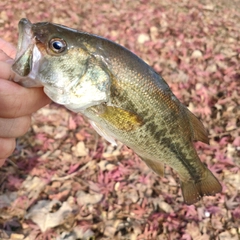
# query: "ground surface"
65 182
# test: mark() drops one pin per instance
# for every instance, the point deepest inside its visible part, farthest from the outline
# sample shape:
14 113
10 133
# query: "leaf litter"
66 182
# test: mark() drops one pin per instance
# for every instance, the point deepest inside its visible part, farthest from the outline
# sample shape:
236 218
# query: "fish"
123 97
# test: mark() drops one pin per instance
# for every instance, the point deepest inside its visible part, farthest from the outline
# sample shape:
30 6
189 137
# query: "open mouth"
26 63
23 61
25 36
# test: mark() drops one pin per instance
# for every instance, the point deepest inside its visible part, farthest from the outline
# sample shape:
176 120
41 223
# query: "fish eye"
57 45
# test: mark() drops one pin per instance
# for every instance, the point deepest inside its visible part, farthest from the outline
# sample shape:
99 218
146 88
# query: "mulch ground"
65 182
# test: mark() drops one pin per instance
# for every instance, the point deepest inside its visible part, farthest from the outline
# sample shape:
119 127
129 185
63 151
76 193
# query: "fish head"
59 59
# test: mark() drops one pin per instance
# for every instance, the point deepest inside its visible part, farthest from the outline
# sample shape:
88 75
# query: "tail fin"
193 192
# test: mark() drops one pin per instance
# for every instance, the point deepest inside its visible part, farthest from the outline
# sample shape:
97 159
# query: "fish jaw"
25 36
26 64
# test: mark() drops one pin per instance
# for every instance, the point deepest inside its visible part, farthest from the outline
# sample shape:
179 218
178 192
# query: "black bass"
122 96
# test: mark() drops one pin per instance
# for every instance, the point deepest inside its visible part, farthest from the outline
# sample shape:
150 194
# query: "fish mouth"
23 60
25 36
25 65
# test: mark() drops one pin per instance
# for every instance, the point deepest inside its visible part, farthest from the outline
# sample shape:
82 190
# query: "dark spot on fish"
151 127
175 147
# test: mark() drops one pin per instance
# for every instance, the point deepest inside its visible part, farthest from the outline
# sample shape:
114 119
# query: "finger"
7 146
8 48
14 127
18 101
6 71
2 161
4 57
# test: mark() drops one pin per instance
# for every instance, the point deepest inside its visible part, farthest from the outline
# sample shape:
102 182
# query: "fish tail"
207 186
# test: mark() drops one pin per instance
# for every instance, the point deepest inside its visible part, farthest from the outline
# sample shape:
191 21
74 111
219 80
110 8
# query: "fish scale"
121 95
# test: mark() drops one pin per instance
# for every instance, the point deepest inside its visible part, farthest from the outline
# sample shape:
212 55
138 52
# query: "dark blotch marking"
175 147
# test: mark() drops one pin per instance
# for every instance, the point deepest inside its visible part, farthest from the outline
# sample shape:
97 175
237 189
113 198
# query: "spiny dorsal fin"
199 131
156 166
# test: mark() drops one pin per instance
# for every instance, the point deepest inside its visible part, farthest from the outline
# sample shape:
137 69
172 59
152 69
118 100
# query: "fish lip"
25 45
25 36
24 67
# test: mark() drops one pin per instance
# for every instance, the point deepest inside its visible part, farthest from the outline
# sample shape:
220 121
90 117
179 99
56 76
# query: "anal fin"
156 166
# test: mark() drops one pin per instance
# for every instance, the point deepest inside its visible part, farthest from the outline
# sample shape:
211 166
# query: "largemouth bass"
121 95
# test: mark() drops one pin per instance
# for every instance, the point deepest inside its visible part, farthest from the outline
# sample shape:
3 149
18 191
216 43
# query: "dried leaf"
45 217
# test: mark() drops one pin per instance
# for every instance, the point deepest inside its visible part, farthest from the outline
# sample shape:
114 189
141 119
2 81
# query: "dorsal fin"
199 131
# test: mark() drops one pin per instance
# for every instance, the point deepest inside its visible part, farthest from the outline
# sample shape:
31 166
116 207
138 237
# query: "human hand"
16 103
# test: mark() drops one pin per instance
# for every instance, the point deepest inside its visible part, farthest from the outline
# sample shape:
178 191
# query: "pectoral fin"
120 118
156 166
199 131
